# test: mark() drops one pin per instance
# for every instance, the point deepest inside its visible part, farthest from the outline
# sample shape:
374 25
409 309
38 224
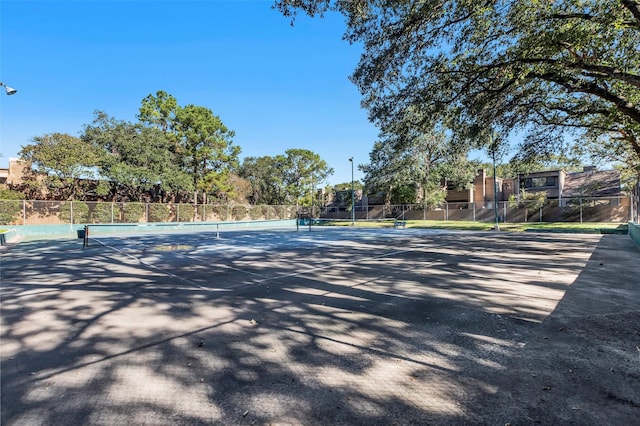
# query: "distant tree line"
172 153
185 154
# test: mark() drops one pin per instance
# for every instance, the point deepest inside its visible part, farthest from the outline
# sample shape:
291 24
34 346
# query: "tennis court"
321 325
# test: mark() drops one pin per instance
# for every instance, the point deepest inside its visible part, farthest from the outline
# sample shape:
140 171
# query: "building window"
540 182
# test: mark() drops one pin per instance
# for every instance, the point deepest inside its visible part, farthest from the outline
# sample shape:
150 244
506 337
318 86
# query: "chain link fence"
25 212
609 209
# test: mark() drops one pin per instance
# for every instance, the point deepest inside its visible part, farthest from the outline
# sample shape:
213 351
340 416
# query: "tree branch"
634 7
623 105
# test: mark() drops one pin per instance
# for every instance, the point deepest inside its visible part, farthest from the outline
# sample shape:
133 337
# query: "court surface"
333 326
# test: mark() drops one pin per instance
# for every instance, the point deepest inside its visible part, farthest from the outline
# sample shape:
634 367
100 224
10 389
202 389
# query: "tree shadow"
385 329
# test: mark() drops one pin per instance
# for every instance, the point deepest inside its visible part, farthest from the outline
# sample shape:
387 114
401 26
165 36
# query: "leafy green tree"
346 186
206 148
10 205
284 179
74 212
239 189
63 161
159 212
548 68
266 176
132 212
606 150
186 212
201 140
159 111
136 159
408 166
304 170
101 213
517 165
530 201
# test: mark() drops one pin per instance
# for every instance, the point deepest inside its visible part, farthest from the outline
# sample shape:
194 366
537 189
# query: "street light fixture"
353 196
9 90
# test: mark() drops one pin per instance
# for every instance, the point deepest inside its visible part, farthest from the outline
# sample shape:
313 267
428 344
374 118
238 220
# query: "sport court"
324 325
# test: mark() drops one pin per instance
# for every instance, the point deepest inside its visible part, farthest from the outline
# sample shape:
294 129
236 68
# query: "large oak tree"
63 162
136 160
541 67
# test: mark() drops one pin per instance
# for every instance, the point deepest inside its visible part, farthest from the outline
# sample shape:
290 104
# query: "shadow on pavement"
472 329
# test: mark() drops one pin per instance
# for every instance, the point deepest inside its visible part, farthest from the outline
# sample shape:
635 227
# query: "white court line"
264 279
195 259
172 275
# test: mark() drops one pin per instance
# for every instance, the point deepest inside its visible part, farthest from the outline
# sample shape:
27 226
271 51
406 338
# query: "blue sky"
275 85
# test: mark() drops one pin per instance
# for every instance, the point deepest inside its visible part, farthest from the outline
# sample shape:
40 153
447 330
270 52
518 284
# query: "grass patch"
381 223
568 227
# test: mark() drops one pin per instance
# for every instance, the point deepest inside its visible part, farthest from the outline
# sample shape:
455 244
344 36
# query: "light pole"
9 90
353 196
492 144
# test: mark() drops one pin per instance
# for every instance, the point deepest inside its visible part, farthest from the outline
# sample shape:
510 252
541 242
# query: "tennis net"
93 231
369 223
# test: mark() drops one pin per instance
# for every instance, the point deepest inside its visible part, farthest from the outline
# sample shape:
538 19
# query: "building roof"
592 183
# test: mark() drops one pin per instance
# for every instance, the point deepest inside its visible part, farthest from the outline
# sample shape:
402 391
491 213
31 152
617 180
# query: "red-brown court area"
334 326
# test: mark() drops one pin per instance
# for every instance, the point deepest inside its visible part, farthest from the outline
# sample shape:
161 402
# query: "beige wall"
16 171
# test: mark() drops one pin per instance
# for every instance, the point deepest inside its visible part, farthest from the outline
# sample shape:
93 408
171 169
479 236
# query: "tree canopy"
172 153
202 141
136 160
282 179
546 68
64 161
413 170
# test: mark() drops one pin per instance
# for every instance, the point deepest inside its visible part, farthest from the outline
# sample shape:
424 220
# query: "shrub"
102 213
132 212
238 212
80 211
10 206
10 211
159 213
221 211
257 212
185 212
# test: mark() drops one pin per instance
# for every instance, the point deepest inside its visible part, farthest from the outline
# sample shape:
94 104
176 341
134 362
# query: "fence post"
504 207
580 209
24 212
446 212
474 211
71 211
146 212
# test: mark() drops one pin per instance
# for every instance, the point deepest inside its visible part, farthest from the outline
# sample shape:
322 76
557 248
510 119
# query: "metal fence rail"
34 212
609 209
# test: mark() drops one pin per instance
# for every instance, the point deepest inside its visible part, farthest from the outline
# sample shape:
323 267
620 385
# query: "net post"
217 231
85 241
